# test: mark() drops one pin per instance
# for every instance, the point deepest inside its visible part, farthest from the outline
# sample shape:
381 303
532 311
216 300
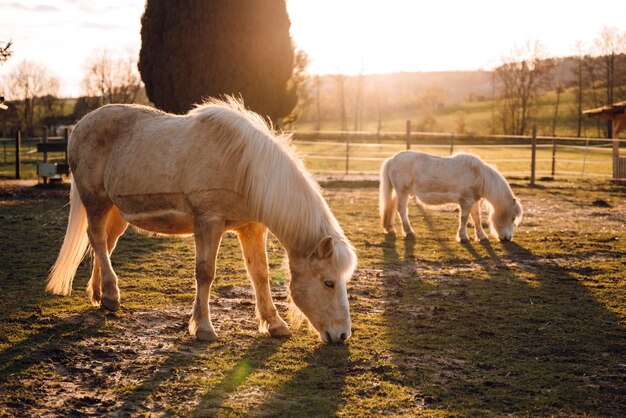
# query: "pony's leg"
253 238
208 235
478 226
97 215
116 225
463 217
403 210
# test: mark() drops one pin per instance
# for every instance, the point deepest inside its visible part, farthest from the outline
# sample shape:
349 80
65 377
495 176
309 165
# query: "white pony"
217 168
462 178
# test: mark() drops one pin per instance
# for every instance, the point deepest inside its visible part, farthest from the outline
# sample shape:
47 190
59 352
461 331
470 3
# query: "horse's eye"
329 284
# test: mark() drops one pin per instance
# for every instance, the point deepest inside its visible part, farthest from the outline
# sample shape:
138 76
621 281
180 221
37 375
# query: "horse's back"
157 168
434 179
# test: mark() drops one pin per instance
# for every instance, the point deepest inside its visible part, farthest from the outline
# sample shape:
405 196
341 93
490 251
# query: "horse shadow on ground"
500 330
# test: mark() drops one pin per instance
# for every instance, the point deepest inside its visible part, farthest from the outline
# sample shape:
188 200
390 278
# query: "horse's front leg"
478 226
463 217
208 235
253 238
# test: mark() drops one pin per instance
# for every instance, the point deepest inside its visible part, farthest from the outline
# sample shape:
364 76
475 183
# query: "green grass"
533 327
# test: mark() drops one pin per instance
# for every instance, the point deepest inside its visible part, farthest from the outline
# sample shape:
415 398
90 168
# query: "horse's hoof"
463 240
281 331
206 335
96 300
410 235
110 304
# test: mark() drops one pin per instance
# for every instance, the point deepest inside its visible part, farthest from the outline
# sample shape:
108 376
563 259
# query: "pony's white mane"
494 186
278 189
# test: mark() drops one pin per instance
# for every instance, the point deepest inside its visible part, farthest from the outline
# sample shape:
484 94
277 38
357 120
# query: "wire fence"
361 153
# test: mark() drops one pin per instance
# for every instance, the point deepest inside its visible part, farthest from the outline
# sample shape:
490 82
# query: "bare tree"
520 79
341 79
379 108
358 103
559 90
299 83
26 85
114 78
611 45
578 74
5 51
318 104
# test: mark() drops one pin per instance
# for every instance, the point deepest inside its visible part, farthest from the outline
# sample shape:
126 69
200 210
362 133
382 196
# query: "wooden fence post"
347 153
615 138
66 137
553 155
44 139
533 157
18 141
408 134
452 144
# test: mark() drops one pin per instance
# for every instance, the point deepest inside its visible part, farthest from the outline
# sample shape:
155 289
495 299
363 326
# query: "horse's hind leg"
98 213
207 234
463 217
403 210
116 225
253 237
478 226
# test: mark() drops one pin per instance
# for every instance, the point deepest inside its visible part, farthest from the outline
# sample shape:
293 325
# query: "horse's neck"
301 221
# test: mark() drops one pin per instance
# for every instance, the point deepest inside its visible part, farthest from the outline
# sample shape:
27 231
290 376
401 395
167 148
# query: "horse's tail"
387 196
73 249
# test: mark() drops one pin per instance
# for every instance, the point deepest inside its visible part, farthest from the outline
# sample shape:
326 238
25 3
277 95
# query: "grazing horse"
462 178
217 168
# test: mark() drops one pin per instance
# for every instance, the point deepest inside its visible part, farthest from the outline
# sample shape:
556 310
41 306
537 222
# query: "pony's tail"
73 249
387 197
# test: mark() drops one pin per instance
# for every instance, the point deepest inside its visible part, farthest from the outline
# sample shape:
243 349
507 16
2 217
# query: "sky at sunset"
348 36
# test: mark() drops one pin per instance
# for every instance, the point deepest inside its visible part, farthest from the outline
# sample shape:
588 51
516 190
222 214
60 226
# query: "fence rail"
337 152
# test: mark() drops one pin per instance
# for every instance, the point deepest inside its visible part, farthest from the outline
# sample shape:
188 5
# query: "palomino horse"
217 168
462 178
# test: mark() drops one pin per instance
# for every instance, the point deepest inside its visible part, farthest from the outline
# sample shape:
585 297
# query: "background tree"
340 80
26 85
84 105
610 46
5 51
193 49
114 79
521 78
300 83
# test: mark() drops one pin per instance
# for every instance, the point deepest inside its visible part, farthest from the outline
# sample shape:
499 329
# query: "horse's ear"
325 247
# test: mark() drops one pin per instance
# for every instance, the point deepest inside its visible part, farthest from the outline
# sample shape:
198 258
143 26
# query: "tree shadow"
320 383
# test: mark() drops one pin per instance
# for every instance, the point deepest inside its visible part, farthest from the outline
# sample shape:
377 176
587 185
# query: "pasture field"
531 327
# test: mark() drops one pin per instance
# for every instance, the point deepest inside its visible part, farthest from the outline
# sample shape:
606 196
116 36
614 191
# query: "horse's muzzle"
337 339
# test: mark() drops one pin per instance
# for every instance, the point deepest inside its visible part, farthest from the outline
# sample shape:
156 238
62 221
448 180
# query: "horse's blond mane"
278 189
494 185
